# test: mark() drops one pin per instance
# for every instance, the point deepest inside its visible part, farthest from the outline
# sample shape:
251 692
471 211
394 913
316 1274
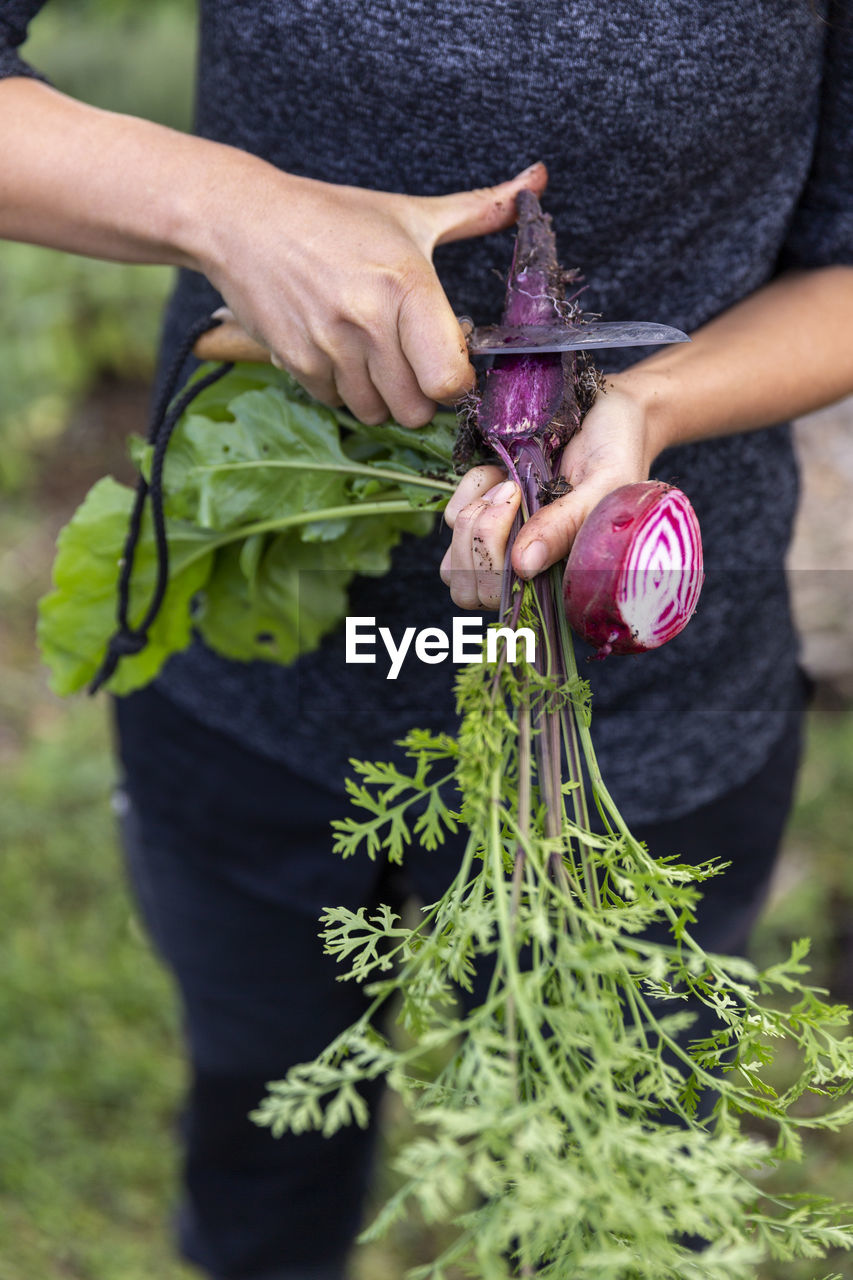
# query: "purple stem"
527 413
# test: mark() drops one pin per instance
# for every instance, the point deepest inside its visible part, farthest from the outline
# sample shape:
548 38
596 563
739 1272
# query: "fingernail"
532 559
536 164
501 492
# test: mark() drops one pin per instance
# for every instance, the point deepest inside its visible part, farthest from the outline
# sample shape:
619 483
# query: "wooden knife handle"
230 342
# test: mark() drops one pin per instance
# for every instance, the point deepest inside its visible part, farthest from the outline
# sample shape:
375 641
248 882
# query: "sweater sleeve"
821 232
15 17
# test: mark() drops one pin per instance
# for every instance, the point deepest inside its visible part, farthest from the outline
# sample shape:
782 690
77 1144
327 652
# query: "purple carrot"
529 408
533 397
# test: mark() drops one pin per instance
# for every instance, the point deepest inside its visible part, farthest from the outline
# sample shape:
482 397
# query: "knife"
537 339
231 342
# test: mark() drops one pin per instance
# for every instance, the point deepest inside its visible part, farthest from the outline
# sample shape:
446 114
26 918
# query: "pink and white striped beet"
635 571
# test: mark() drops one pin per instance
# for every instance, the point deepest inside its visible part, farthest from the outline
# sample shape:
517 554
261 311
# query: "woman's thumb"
476 213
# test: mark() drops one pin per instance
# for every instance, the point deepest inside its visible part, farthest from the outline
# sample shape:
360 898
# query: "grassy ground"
91 1068
90 1065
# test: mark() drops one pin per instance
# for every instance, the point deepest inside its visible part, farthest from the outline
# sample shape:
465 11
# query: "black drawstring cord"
128 640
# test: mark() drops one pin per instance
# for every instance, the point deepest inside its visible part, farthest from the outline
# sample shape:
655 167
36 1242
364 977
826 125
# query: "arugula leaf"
205 484
78 616
273 504
275 598
421 450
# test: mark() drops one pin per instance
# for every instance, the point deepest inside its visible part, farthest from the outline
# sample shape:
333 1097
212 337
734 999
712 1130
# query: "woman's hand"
338 283
782 352
616 445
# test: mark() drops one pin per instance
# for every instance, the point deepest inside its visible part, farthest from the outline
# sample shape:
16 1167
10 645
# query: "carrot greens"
572 1129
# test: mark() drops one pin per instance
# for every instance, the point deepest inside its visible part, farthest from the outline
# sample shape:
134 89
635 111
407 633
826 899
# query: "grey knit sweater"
696 147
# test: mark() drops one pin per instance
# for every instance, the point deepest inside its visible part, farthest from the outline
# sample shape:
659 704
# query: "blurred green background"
90 1063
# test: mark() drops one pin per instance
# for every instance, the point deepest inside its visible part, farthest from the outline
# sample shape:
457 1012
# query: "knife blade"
538 339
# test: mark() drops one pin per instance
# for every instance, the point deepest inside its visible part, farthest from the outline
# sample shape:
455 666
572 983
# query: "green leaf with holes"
273 504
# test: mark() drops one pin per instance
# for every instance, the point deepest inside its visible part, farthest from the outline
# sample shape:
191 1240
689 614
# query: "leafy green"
78 616
566 1123
273 503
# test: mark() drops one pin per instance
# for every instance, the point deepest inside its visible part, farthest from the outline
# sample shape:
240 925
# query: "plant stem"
339 468
277 524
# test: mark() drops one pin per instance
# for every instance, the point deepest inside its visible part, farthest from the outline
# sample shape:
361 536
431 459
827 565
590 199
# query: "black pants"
229 855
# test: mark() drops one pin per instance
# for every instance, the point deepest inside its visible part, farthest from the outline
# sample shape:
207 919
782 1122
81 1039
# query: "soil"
93 444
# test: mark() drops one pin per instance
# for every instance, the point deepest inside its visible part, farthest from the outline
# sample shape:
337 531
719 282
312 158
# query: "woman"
701 174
